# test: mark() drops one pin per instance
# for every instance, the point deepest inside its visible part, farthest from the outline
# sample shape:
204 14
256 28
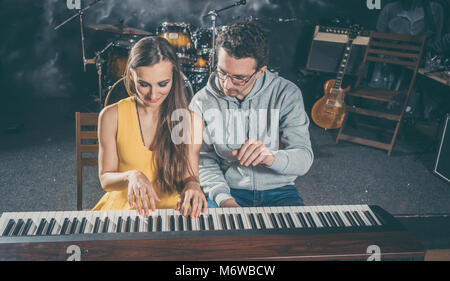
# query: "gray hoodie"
273 112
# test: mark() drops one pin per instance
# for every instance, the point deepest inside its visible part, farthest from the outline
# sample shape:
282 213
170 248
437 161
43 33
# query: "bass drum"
118 91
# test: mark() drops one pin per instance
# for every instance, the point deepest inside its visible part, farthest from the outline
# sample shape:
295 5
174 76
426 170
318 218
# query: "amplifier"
328 46
442 167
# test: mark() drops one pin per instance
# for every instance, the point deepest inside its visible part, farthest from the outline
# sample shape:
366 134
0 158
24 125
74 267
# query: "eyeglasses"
235 80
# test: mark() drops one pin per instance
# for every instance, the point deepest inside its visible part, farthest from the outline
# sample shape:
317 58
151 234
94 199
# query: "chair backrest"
397 49
86 142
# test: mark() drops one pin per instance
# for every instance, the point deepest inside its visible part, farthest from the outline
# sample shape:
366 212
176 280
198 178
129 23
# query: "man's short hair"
245 40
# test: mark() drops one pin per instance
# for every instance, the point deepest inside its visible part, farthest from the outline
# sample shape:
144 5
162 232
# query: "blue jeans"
283 196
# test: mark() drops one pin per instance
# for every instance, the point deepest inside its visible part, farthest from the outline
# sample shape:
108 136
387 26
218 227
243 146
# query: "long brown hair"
171 160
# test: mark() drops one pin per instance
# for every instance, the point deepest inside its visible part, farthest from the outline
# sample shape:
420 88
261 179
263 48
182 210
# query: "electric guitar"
329 111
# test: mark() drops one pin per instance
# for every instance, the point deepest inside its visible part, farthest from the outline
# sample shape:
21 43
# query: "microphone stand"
80 14
213 14
97 61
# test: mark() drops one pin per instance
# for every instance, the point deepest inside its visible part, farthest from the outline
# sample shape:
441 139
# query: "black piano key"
240 222
330 219
9 227
282 221
18 227
350 218
74 225
253 221
27 227
310 220
119 225
83 226
137 223
96 225
322 219
338 219
64 227
274 220
201 219
370 218
159 223
128 224
180 223
42 225
105 225
150 224
261 221
358 218
232 223
189 223
172 223
51 226
211 222
290 220
302 220
223 222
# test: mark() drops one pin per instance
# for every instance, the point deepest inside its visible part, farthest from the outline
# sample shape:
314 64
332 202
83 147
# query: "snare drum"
179 36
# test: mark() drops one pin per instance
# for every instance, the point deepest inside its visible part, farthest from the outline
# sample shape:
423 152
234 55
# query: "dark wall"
37 61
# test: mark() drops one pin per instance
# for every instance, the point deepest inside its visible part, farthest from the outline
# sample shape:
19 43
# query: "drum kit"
194 47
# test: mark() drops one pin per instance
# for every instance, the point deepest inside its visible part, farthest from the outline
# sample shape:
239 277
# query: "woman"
140 165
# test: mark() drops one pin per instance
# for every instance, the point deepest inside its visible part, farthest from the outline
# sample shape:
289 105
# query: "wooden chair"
85 134
404 51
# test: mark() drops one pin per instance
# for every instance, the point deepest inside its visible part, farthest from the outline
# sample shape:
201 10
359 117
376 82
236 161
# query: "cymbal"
119 28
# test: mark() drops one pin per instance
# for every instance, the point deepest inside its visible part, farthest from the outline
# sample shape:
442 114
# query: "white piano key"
226 212
246 218
341 210
205 219
165 221
314 210
235 212
178 216
125 215
360 211
90 222
213 213
265 217
58 223
34 217
282 210
7 217
293 211
113 217
287 211
367 208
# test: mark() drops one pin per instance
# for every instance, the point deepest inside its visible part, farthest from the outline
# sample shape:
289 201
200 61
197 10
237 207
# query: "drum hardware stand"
214 14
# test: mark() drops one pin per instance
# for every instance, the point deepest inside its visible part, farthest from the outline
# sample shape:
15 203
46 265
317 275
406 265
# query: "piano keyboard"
256 233
165 220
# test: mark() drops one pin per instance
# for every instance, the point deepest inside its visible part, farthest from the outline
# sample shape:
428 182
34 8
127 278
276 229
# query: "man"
256 138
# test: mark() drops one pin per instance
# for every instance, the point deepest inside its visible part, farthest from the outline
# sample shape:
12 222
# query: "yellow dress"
133 155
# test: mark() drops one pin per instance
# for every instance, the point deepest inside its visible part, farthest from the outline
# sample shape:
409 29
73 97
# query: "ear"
132 73
261 71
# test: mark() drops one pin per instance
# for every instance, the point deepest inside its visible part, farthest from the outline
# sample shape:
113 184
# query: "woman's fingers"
137 199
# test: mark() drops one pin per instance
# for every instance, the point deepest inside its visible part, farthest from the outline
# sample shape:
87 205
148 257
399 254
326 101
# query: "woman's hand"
139 186
192 191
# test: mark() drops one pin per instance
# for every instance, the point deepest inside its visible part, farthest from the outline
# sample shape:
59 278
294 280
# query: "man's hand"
254 152
230 203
